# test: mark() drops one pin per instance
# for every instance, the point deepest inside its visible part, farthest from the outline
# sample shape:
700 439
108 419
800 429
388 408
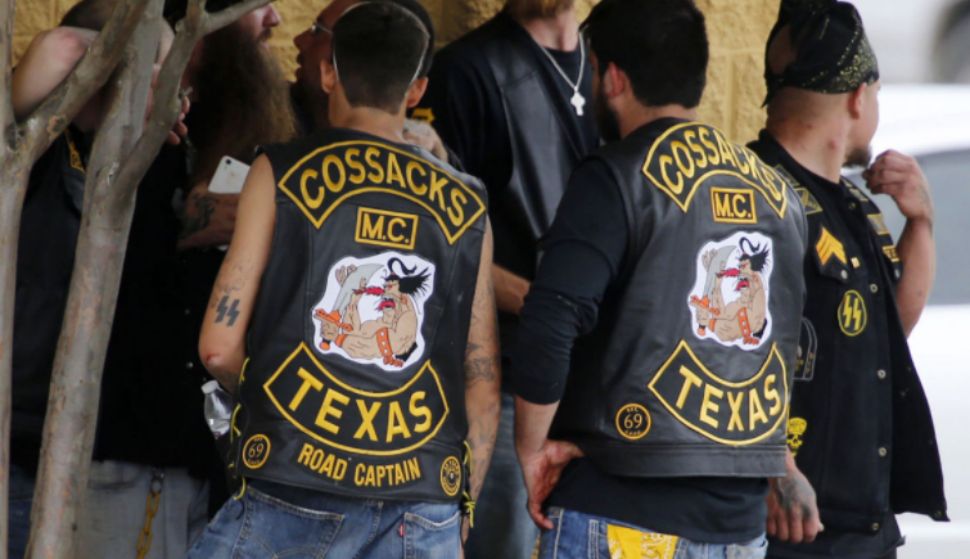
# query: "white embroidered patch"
729 300
373 309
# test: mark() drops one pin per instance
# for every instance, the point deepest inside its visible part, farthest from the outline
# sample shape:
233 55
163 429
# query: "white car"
919 40
932 123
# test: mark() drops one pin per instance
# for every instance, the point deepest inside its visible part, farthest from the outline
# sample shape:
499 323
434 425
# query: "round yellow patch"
633 422
451 476
256 451
852 314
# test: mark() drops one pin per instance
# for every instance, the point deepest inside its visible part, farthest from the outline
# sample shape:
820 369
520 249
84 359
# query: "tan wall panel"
737 30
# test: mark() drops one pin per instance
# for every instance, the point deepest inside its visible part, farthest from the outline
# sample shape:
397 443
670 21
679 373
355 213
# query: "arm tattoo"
795 492
193 222
226 309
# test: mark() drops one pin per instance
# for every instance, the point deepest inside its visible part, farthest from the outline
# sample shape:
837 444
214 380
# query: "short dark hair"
378 51
660 44
422 14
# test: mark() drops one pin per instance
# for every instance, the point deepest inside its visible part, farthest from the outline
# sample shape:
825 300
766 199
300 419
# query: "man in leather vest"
513 100
860 423
354 318
656 347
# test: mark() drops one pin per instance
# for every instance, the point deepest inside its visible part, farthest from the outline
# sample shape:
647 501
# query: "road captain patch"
730 298
327 177
373 310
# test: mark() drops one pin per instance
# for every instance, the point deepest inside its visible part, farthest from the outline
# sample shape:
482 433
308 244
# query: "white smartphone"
229 177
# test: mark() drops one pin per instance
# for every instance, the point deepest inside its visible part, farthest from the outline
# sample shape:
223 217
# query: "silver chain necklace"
577 100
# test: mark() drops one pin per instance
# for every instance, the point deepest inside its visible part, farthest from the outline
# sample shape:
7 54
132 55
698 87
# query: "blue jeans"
503 528
259 526
583 536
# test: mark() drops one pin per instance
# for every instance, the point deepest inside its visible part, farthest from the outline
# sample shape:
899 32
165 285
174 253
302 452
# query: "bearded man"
513 100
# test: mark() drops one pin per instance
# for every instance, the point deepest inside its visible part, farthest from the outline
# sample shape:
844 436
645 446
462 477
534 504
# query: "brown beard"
243 98
859 157
537 9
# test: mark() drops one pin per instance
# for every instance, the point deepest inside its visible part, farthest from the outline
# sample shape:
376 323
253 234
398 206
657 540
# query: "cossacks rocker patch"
373 309
729 300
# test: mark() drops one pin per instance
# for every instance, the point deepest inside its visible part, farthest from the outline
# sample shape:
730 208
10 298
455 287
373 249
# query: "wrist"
921 222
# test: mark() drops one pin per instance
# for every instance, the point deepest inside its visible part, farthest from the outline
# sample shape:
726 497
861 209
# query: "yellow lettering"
418 410
456 213
735 404
367 414
372 226
722 208
700 158
690 379
305 453
771 394
712 152
394 174
312 202
327 409
437 189
675 187
329 162
309 381
709 406
737 202
755 411
376 174
414 468
393 225
412 168
682 159
353 161
727 153
358 476
395 422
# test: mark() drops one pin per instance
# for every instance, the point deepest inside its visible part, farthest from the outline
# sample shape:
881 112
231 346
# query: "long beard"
244 100
859 157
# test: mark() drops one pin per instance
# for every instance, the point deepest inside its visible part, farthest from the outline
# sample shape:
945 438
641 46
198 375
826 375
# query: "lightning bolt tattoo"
231 311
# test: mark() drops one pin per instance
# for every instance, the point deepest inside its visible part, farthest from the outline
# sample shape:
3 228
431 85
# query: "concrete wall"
737 29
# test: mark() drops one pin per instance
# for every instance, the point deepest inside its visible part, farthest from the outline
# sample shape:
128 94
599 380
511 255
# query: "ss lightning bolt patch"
231 311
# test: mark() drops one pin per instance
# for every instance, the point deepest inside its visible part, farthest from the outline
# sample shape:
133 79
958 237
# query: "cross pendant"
578 101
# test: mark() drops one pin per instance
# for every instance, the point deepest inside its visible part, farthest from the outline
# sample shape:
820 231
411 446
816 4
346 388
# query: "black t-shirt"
583 252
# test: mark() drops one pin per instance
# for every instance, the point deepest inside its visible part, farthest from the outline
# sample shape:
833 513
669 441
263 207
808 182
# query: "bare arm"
208 219
222 343
900 177
483 375
510 290
49 59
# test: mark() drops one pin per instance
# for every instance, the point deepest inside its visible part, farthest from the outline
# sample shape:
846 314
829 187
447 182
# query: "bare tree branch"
50 119
6 108
106 216
218 20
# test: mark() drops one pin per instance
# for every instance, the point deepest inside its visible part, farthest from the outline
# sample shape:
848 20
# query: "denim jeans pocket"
432 531
754 549
274 528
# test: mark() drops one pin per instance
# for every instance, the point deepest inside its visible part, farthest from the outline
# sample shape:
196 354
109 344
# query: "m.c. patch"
733 205
386 229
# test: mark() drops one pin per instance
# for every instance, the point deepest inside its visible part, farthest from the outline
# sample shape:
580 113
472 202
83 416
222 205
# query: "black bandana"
831 51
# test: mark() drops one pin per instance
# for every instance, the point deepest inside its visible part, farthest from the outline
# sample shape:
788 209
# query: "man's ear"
328 77
857 101
416 92
615 81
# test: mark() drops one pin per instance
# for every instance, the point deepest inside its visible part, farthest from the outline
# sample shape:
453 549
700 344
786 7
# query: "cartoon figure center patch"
373 309
729 302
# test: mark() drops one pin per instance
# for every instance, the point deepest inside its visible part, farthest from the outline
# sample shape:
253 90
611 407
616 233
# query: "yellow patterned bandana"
830 51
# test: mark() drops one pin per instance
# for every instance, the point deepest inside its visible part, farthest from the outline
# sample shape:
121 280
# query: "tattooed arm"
792 510
222 344
482 371
208 219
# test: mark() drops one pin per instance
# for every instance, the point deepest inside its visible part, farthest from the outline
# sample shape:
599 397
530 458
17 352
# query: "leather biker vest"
355 383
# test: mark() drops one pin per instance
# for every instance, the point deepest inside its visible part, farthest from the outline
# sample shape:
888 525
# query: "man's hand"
510 290
209 219
541 470
792 510
900 176
424 136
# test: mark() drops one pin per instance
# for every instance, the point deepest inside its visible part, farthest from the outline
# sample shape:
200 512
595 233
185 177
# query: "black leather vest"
355 383
688 370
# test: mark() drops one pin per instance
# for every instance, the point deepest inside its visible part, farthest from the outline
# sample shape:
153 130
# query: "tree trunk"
72 406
